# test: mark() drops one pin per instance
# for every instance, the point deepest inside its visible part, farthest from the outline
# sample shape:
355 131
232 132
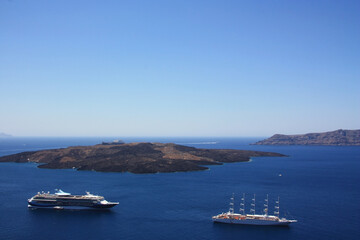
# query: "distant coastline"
4 135
334 138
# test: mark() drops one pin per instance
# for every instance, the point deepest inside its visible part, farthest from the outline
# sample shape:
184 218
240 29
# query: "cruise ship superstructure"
252 218
63 200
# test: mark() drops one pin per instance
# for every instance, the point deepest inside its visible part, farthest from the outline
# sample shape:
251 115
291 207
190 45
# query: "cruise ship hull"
66 207
73 207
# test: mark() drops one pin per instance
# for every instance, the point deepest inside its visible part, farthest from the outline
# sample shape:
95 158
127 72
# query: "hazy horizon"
156 136
178 68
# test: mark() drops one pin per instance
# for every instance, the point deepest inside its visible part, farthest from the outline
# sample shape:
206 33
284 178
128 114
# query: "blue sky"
178 68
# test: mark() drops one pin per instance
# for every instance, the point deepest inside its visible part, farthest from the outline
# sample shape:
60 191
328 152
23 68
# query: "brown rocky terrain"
135 157
338 137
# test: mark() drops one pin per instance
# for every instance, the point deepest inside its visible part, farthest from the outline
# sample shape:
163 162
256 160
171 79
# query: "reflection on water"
76 216
228 230
78 212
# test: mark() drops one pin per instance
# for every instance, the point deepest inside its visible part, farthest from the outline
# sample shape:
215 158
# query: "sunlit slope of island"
135 157
339 137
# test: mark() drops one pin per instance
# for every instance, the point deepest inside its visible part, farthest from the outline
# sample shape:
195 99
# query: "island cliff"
338 137
135 157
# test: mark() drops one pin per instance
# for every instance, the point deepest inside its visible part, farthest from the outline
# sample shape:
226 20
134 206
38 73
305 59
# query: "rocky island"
339 137
135 157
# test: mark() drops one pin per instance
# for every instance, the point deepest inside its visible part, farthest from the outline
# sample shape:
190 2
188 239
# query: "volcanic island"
143 157
334 138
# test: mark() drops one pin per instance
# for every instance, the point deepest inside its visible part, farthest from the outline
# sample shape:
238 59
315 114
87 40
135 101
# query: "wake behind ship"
63 200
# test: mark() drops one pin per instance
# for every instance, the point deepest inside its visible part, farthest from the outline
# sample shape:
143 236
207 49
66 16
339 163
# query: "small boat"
253 218
63 200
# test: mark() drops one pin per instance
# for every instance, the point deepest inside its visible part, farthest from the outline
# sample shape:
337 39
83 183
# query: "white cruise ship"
252 218
63 200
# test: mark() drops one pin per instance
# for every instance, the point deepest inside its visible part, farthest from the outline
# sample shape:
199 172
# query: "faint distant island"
115 142
135 157
337 138
3 135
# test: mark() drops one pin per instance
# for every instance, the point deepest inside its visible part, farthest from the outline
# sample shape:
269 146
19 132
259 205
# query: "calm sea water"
319 187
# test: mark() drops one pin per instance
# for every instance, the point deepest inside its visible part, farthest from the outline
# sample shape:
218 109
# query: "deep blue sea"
318 186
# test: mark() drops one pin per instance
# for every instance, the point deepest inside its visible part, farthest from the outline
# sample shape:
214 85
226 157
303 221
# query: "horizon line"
12 136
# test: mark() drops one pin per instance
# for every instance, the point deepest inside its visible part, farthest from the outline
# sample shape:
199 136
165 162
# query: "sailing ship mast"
231 208
277 208
242 205
266 205
253 205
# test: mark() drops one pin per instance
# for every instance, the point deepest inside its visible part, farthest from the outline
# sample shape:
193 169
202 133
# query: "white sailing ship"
252 218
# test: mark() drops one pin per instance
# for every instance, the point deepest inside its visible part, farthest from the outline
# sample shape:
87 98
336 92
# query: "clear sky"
178 68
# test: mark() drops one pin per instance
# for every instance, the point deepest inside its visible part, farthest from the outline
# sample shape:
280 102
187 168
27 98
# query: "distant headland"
3 135
335 138
135 157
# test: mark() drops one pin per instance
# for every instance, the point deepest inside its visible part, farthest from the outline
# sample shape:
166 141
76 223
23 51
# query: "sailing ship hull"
252 222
